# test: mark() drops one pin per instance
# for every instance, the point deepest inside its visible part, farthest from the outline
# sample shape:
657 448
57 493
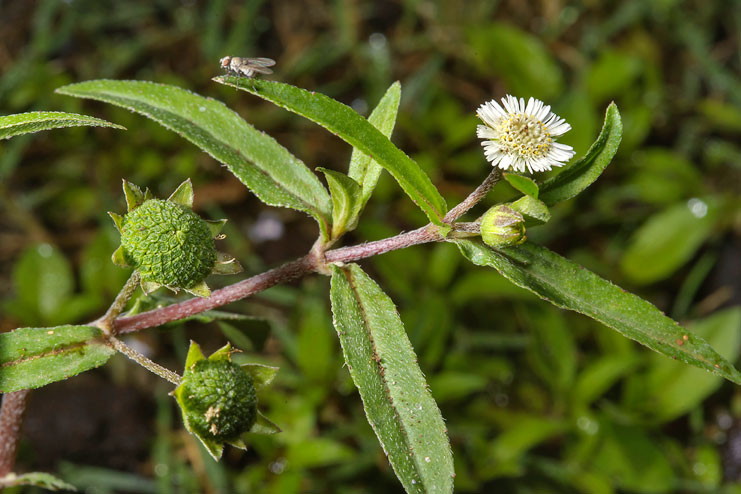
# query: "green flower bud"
167 243
218 399
502 226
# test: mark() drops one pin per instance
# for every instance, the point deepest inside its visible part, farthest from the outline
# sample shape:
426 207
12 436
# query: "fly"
247 67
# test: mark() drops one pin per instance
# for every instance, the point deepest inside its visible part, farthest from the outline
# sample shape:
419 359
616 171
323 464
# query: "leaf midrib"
584 302
387 391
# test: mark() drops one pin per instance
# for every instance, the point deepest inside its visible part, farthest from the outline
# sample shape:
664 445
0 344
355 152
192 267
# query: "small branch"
473 228
223 296
105 323
353 253
474 197
140 359
11 419
287 272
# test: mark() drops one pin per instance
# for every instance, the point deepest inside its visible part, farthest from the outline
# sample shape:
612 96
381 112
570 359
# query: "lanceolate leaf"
355 130
364 169
384 367
568 285
26 123
580 175
346 201
275 176
33 357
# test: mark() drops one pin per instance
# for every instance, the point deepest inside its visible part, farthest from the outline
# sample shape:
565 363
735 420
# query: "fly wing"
262 70
261 62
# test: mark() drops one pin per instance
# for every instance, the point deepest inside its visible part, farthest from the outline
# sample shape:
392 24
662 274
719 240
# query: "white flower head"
520 136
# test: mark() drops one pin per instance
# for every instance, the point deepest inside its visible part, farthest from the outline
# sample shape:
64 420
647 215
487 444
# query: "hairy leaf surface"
570 286
582 173
347 124
33 357
384 367
274 175
26 123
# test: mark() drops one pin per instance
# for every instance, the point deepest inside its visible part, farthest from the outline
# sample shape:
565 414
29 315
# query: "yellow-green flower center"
524 135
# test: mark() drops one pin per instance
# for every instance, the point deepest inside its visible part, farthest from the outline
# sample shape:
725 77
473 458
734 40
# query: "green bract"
167 243
218 399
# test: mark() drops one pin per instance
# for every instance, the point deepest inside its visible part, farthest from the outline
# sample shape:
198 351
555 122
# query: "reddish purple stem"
11 419
287 272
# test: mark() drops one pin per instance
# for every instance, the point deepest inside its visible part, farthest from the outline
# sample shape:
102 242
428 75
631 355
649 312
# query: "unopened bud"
502 226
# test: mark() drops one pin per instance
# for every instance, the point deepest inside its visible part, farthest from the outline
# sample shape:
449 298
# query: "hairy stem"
287 272
231 293
105 323
11 419
474 197
140 359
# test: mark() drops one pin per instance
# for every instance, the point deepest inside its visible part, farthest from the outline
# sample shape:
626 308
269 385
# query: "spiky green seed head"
168 244
218 400
502 226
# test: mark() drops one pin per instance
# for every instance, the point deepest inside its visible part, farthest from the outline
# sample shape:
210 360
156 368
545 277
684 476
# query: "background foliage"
536 399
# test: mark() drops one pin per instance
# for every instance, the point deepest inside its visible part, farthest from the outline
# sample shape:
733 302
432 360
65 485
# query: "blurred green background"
537 400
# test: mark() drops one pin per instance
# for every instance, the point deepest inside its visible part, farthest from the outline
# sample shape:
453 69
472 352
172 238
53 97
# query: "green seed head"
218 400
502 226
168 244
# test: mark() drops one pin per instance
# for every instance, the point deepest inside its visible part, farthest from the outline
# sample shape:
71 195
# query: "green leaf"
26 123
673 389
347 124
346 201
517 57
33 357
522 433
526 185
44 285
669 239
364 169
633 460
44 282
552 348
570 286
580 175
319 452
384 367
39 479
274 175
597 377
